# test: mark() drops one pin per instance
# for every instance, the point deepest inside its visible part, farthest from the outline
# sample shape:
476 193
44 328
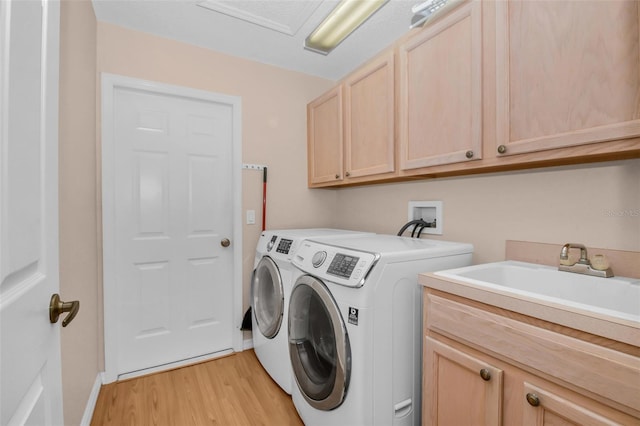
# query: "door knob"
225 242
57 307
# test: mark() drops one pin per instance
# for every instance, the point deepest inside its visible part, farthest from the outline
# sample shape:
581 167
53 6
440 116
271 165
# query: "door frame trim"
109 83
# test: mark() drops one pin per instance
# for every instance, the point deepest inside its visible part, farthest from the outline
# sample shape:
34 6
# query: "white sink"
618 297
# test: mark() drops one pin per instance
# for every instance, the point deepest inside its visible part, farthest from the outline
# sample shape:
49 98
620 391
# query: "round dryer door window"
268 297
318 344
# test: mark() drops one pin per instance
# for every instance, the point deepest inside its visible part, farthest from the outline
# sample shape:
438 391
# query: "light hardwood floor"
233 390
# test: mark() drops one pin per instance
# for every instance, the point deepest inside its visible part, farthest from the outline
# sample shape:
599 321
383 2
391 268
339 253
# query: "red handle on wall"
264 198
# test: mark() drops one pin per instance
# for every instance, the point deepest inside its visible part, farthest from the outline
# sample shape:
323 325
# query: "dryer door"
267 297
318 344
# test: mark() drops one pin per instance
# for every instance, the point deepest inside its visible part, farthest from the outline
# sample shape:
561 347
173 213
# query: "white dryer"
355 327
270 290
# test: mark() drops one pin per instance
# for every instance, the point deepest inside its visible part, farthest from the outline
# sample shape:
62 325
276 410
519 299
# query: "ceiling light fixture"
342 21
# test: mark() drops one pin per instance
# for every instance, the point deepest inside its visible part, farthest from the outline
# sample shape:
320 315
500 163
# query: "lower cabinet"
494 367
542 406
478 402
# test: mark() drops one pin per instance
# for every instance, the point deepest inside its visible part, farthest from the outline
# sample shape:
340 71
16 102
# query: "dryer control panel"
336 264
277 246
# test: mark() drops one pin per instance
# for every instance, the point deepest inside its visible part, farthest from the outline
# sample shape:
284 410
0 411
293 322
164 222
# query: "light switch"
251 217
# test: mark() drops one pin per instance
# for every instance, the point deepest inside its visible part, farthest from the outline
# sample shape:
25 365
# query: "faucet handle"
599 262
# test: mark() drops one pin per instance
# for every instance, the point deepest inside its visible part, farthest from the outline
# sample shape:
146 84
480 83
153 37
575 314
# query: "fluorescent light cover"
342 21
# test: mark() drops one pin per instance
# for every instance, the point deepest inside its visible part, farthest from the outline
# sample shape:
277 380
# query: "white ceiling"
267 31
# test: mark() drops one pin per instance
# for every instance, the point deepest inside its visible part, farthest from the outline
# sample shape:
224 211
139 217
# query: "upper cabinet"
369 119
567 74
487 86
351 128
440 99
325 138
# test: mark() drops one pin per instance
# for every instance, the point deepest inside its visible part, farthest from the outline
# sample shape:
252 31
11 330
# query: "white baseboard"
174 365
91 402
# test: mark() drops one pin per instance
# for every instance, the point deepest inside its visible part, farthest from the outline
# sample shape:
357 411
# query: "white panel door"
173 212
30 376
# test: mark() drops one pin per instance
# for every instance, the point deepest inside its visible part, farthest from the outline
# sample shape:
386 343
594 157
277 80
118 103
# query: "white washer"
271 284
355 327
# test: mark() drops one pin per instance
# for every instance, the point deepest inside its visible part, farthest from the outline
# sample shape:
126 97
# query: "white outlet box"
430 212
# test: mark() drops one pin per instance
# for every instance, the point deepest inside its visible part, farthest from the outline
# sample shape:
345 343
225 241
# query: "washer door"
318 344
267 297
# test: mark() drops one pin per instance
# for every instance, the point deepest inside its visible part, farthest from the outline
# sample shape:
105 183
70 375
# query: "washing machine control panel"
342 265
336 264
276 246
284 246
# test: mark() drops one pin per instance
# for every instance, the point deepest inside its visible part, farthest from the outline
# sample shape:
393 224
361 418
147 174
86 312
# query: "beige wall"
273 121
596 204
79 266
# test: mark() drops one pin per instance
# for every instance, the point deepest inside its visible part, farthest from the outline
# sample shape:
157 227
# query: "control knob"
318 258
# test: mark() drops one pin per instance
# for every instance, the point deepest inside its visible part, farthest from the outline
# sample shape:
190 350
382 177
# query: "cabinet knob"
502 149
533 399
347 174
469 154
485 374
337 176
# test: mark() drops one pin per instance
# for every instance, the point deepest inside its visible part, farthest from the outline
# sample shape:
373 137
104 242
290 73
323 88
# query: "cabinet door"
567 73
459 389
542 407
325 138
369 119
441 91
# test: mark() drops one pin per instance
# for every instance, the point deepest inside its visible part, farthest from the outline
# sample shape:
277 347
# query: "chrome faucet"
564 253
582 266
